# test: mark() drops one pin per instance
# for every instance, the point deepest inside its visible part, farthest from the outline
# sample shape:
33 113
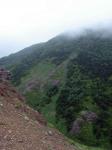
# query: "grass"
49 111
39 72
84 147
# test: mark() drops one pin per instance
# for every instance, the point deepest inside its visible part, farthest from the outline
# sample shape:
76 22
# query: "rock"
44 142
89 116
85 116
5 137
26 118
76 127
50 133
9 131
1 104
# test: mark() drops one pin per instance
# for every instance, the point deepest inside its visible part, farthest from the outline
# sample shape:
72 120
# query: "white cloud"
23 22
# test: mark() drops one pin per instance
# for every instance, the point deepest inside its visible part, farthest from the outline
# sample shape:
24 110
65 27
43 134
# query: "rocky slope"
22 128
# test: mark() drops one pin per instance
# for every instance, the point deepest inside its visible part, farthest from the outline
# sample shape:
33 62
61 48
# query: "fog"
27 22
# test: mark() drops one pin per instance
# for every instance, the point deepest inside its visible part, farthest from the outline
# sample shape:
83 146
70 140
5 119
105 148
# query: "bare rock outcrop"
85 116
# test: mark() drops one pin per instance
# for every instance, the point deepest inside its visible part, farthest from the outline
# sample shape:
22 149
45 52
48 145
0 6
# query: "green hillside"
68 79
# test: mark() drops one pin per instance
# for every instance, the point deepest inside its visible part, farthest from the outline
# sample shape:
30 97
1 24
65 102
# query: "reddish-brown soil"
22 128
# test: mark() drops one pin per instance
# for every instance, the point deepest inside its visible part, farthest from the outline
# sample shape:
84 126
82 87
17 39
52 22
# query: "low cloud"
27 22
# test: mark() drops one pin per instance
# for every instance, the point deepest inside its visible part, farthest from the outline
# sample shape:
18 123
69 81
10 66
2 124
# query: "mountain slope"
53 52
19 129
86 95
68 79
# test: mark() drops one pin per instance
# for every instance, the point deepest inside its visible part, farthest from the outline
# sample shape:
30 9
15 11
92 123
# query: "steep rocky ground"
22 128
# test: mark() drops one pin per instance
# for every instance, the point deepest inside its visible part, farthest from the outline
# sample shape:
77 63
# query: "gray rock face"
85 116
89 116
76 127
4 75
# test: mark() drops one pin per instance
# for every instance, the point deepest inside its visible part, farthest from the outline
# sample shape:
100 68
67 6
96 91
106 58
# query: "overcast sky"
27 22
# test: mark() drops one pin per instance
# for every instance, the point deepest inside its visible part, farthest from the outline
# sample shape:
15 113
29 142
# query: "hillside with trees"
68 79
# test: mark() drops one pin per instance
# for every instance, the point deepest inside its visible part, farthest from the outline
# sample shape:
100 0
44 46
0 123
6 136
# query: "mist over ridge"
24 23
